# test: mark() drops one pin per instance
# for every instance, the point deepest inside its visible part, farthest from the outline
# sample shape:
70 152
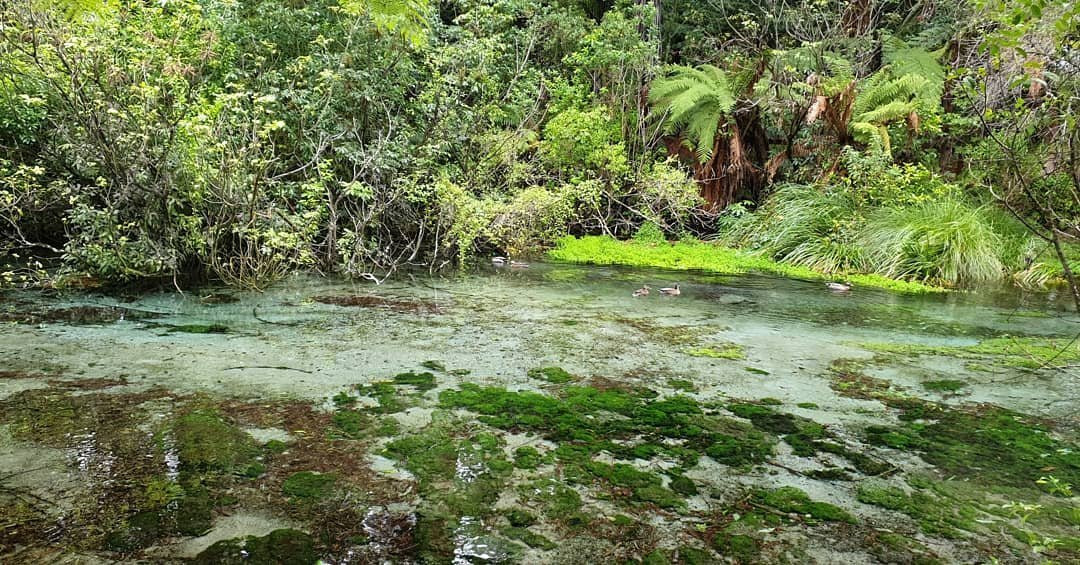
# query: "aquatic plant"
791 499
731 351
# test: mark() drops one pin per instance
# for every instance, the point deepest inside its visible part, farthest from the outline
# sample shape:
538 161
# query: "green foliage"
943 241
696 102
578 143
649 233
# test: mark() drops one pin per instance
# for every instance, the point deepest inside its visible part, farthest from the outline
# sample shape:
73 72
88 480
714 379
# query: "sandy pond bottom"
537 416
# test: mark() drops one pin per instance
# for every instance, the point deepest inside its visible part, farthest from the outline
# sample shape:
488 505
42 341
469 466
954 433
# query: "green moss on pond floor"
204 440
281 547
554 375
791 499
308 485
586 420
1018 352
986 444
731 351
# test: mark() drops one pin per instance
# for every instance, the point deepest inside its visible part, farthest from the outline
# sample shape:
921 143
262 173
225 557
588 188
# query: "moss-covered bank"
697 255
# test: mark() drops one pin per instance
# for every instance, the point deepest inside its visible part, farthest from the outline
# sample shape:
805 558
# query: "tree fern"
696 101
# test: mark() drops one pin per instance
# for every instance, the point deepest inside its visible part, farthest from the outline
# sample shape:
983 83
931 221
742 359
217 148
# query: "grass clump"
682 385
554 375
309 485
791 499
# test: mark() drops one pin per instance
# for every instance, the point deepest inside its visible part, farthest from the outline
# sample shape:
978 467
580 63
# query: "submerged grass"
713 258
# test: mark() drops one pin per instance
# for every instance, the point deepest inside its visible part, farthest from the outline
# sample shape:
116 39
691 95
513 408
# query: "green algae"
808 405
756 371
309 485
556 500
554 375
280 547
731 351
791 499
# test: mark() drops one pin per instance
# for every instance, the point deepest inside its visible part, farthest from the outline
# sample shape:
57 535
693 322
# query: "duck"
671 291
838 286
643 291
498 261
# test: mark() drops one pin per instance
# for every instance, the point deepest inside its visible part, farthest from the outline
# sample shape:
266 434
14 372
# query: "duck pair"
667 291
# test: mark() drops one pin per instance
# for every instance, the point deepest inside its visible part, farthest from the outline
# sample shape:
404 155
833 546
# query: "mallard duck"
518 265
671 290
643 291
838 286
499 261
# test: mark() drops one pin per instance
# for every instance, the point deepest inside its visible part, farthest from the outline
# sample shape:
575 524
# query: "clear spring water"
290 343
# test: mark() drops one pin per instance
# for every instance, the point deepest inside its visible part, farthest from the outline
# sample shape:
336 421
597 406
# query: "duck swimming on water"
643 291
838 286
671 290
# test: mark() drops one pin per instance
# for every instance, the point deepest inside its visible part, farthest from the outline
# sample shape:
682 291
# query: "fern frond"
886 113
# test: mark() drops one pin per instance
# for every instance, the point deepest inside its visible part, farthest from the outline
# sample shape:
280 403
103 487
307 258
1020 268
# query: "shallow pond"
539 415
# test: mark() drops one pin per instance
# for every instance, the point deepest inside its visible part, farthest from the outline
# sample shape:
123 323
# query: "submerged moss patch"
585 421
285 547
1021 352
308 485
944 385
554 375
791 499
987 444
732 351
422 381
205 441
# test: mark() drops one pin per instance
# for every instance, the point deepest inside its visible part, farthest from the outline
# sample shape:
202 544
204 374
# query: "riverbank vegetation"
242 139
